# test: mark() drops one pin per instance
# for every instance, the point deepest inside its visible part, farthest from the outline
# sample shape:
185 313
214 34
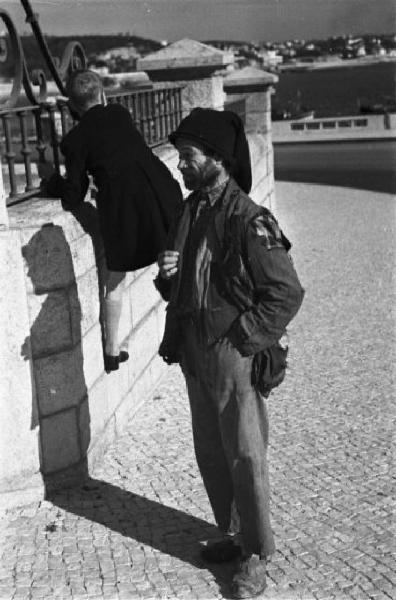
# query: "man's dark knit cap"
221 132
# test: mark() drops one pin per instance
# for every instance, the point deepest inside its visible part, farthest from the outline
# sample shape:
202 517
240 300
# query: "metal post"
3 199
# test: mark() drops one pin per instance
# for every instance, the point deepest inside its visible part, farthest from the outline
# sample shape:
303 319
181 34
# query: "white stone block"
143 386
83 255
33 491
206 93
19 446
94 412
261 191
125 381
143 294
161 316
92 350
98 447
270 163
84 302
143 346
258 146
125 326
3 198
118 384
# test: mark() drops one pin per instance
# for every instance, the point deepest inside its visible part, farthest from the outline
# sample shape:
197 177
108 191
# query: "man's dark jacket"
254 291
137 195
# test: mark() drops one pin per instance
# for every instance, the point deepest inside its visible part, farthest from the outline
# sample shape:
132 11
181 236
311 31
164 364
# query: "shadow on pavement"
169 530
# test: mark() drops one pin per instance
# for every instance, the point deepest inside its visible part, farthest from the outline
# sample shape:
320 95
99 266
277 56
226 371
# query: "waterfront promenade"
368 165
132 532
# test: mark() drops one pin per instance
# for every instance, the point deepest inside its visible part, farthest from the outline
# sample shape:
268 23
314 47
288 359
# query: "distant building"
123 52
361 50
123 58
102 70
120 82
310 47
270 58
379 50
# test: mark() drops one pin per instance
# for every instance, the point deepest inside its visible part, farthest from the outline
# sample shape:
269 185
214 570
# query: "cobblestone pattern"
133 531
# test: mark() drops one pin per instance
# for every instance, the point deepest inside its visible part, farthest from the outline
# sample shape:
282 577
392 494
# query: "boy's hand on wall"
45 170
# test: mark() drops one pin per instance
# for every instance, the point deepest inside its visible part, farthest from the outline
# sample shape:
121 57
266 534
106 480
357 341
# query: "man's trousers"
230 429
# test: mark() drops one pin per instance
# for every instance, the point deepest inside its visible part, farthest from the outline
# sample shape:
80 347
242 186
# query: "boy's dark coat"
137 195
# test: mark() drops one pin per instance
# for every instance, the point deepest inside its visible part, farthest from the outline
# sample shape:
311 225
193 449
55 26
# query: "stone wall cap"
250 76
185 53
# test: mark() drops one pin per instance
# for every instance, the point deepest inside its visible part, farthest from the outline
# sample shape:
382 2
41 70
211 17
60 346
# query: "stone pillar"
3 198
254 87
206 93
194 65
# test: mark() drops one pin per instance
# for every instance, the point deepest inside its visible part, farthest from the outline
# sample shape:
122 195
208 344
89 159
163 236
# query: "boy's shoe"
123 356
250 579
221 551
112 363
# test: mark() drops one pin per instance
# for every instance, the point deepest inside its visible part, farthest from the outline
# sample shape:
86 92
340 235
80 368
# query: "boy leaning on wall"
137 195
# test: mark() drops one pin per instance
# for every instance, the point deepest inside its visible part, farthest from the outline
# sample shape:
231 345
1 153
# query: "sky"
261 20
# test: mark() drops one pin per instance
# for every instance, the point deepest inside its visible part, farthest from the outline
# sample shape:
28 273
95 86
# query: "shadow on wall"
60 399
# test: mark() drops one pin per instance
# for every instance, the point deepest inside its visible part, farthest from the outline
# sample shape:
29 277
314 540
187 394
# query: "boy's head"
84 89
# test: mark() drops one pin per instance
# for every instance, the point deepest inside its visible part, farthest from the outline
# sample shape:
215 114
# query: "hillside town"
111 56
288 53
273 56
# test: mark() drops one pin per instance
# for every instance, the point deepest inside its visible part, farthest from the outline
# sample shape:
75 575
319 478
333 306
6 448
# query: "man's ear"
218 159
220 162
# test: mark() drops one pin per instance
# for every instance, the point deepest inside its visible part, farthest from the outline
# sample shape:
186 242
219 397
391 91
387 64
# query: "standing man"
232 290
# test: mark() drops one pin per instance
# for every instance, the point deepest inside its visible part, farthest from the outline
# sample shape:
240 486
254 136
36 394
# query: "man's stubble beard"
206 178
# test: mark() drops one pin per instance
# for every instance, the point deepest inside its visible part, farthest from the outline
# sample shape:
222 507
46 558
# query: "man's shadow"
166 529
59 391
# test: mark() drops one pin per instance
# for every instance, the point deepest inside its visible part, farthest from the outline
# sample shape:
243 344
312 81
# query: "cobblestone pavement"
134 530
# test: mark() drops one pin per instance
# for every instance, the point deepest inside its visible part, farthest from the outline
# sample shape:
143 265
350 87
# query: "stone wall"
60 410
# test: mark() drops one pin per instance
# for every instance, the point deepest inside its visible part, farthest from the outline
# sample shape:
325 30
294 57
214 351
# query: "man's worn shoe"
222 551
250 580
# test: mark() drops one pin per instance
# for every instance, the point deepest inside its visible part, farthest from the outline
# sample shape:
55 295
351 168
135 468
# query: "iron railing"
31 135
156 112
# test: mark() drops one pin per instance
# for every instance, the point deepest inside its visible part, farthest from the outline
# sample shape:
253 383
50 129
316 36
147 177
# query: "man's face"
197 168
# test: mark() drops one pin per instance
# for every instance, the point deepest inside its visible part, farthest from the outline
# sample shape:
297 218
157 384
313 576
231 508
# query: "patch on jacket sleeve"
267 229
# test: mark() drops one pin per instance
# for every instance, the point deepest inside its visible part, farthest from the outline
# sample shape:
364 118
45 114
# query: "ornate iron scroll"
73 58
